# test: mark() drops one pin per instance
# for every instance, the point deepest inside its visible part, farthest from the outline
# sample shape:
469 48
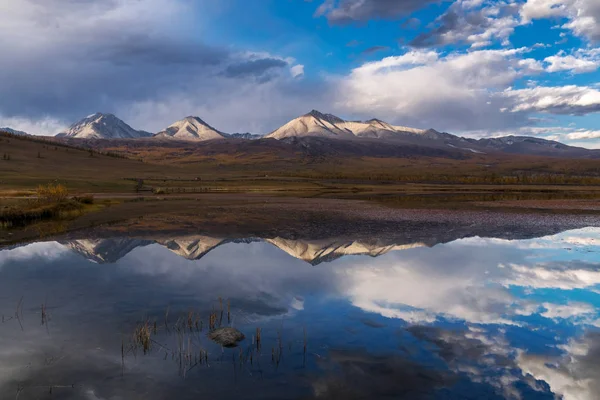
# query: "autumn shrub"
52 193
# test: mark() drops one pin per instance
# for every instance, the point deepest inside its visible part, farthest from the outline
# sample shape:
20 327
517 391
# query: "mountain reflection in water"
381 317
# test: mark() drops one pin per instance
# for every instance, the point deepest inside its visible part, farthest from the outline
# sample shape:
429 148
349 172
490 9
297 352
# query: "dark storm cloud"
447 22
75 57
348 11
259 69
458 24
69 58
145 50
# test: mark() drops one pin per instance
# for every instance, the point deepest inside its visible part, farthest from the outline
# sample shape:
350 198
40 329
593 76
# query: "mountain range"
107 251
313 251
319 126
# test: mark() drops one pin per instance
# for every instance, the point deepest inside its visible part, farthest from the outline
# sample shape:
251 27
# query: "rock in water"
226 337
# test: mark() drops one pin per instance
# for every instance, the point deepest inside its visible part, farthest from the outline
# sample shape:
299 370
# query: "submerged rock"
226 337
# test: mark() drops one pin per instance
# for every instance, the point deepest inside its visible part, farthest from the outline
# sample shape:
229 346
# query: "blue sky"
470 67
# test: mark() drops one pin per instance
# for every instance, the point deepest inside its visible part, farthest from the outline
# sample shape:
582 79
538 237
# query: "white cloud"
573 100
573 375
408 291
583 134
297 71
45 250
583 15
565 311
45 126
465 92
546 277
587 60
540 9
453 92
564 134
570 63
399 63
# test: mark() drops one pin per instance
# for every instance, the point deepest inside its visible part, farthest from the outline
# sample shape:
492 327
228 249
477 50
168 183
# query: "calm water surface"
475 318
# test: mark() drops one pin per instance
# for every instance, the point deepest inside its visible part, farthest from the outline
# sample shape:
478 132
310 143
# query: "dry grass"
51 201
51 193
170 168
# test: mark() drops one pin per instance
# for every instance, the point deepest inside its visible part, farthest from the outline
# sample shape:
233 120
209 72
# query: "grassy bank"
50 202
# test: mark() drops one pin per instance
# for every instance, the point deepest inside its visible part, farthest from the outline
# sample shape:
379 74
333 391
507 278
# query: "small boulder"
226 337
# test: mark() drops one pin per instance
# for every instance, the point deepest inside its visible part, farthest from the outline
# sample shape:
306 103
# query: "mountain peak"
191 128
101 115
326 117
102 126
315 113
193 118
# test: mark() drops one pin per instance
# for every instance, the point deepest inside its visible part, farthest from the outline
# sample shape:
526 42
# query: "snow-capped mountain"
195 247
191 128
103 251
312 131
317 251
13 131
318 124
102 126
313 124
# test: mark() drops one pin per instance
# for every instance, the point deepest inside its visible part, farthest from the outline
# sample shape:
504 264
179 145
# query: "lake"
464 318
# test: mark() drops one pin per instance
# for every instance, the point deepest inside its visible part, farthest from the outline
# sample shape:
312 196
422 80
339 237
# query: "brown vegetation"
51 201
